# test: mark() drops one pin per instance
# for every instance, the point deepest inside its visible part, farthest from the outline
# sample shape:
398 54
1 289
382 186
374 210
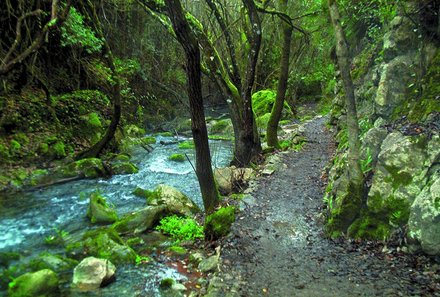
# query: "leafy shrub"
75 33
180 228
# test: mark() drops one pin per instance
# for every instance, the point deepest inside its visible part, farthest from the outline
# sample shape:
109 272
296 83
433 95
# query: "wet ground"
277 247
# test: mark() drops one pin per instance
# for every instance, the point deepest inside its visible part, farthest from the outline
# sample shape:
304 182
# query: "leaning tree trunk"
98 147
190 45
275 115
355 175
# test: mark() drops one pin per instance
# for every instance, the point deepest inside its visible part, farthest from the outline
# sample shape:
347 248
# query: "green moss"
102 243
178 250
220 137
148 140
166 283
263 101
14 146
124 168
56 263
219 223
165 134
263 120
285 144
369 227
134 131
40 283
93 120
177 158
121 158
99 211
21 138
58 150
188 144
89 167
221 127
148 195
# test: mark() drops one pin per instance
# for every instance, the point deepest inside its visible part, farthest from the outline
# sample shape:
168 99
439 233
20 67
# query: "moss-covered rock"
58 150
175 201
147 194
89 168
187 144
53 262
139 221
43 283
99 211
134 131
102 243
177 158
219 223
221 127
124 168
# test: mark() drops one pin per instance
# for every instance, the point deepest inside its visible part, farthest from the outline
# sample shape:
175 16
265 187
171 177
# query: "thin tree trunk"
97 148
275 115
355 175
190 45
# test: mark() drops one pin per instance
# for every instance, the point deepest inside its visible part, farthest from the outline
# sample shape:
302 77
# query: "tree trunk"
355 175
97 148
247 142
275 115
190 45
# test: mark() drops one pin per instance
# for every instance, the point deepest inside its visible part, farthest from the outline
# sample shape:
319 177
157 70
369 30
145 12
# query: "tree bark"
247 142
355 175
97 148
275 115
190 45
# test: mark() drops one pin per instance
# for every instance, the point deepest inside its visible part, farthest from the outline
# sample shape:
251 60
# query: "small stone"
93 273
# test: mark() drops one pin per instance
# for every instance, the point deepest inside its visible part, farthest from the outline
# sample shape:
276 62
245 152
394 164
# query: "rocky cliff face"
398 96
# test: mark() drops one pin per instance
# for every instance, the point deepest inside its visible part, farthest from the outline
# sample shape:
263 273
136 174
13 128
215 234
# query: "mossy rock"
177 158
102 243
263 120
369 226
187 144
89 168
124 168
58 150
175 201
121 158
221 127
53 262
139 221
219 223
134 131
147 194
99 211
43 283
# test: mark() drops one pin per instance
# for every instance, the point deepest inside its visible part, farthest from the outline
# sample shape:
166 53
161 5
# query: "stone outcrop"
40 283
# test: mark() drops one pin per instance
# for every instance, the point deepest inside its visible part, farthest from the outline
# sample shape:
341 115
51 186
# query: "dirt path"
277 247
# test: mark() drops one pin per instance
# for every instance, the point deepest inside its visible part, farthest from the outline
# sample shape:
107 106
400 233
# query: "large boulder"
424 220
102 243
99 211
141 220
35 284
93 273
400 38
228 178
174 201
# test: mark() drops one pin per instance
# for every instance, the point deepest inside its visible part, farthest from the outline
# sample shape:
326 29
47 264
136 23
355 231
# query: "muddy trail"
277 246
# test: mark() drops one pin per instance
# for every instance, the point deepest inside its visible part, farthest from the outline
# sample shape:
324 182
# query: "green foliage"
75 33
57 237
263 101
142 260
366 163
180 228
94 120
177 158
15 146
59 150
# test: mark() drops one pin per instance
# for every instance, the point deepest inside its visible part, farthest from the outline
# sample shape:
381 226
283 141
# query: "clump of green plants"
177 158
188 144
180 228
75 33
142 259
366 163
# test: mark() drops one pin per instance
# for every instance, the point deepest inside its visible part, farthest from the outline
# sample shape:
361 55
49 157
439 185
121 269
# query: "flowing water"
26 219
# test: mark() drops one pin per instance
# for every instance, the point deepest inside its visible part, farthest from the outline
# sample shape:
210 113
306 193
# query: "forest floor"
277 246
